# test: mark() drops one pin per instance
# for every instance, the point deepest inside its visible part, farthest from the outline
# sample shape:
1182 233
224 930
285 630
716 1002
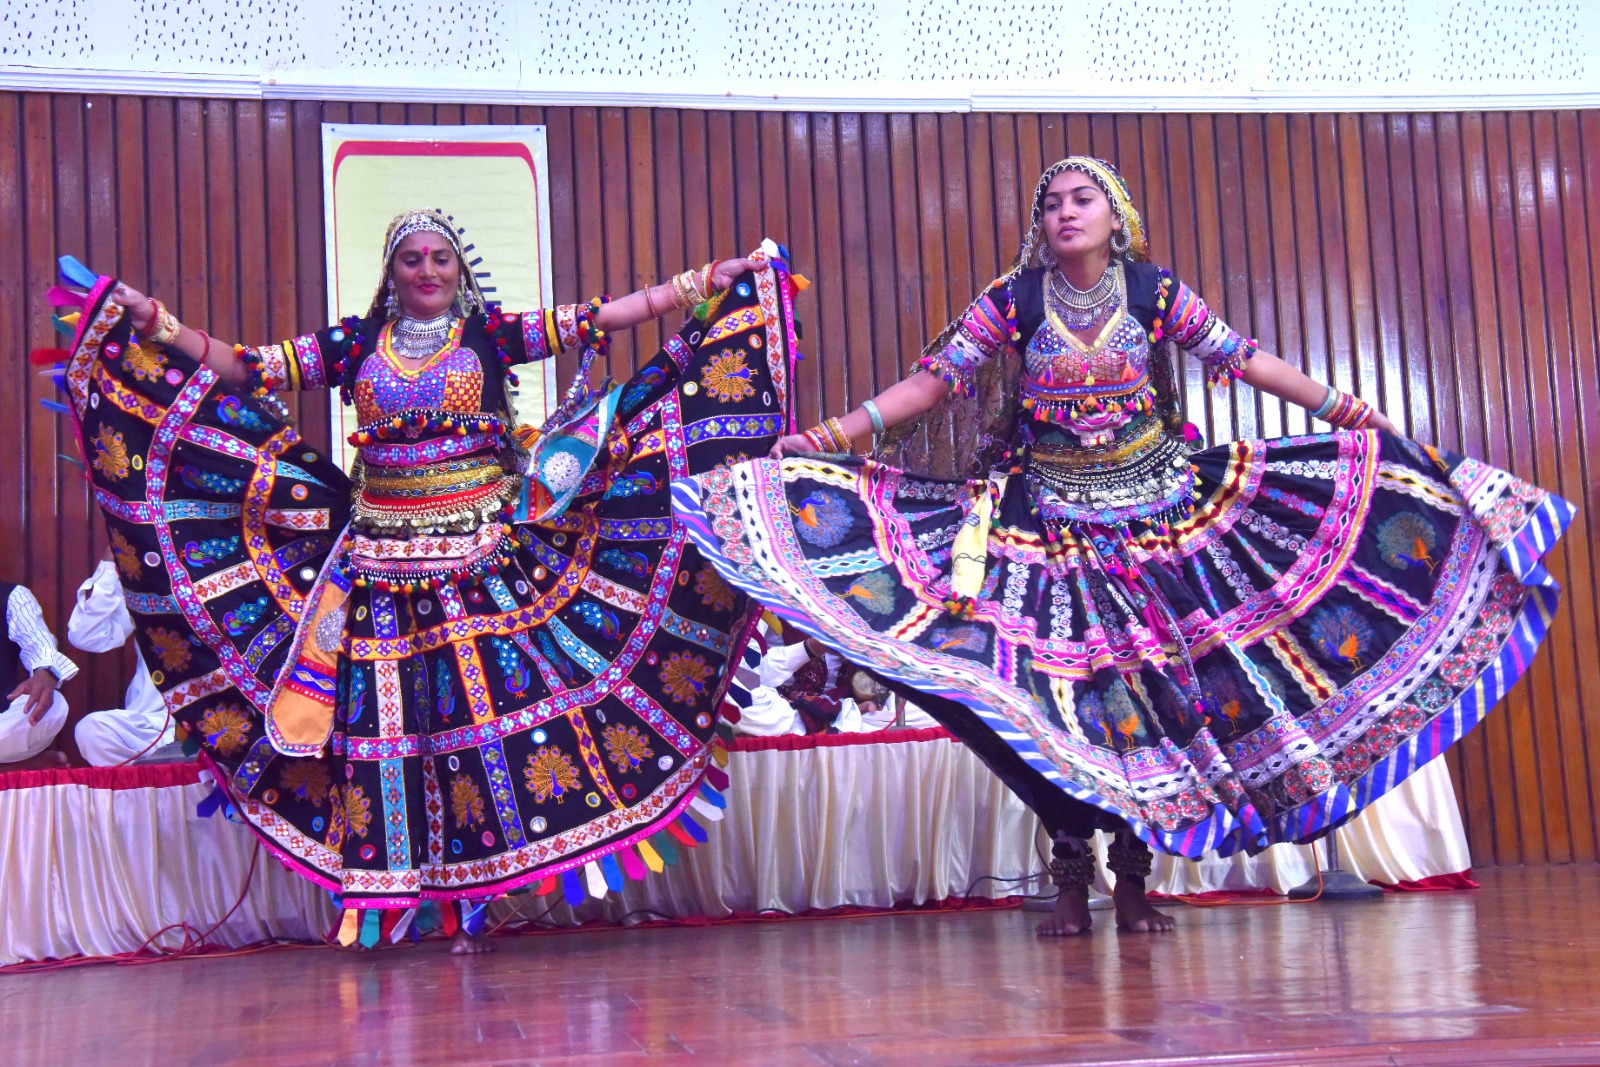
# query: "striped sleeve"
1197 330
306 363
547 331
25 624
985 331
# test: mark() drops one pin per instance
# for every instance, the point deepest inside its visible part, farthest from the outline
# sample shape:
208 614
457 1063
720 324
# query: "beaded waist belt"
433 479
436 510
1142 474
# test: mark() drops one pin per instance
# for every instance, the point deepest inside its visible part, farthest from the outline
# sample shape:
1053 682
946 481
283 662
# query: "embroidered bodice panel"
452 381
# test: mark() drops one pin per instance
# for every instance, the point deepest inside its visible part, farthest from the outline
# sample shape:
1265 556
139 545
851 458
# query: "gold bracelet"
844 440
650 302
164 330
683 288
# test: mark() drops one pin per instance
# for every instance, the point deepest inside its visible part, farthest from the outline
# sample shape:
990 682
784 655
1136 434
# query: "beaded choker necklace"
1080 309
420 338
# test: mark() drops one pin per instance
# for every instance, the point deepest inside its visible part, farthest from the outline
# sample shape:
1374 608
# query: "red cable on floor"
194 943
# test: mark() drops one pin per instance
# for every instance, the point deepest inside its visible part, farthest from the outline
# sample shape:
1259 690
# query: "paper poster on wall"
491 181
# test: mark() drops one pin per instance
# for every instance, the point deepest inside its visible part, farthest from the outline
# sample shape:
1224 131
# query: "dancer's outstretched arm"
622 313
1270 374
903 401
914 396
654 301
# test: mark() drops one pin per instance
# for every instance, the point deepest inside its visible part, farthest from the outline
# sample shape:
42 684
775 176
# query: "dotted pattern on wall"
856 47
1527 41
612 38
1315 42
805 41
38 31
470 35
1164 42
246 34
985 41
1160 42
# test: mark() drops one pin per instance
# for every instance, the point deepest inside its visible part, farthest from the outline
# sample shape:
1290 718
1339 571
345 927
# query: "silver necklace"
1080 309
420 338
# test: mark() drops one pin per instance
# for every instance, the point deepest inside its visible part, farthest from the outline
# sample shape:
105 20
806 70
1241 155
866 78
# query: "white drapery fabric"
95 871
89 870
1411 834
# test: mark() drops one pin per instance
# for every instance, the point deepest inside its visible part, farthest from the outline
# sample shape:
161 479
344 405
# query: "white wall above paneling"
936 55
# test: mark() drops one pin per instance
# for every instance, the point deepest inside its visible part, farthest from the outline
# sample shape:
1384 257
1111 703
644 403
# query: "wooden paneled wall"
1440 264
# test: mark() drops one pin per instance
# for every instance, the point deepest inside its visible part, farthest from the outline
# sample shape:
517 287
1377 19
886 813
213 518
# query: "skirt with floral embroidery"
1337 611
551 725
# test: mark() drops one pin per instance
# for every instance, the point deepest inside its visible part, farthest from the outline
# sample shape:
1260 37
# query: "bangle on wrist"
822 435
845 439
650 302
878 428
1346 412
683 290
1327 404
164 327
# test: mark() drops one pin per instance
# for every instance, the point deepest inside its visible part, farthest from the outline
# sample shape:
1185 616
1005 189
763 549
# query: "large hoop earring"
1121 247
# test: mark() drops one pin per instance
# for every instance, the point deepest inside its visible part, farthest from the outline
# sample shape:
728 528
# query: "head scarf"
469 298
1036 247
961 436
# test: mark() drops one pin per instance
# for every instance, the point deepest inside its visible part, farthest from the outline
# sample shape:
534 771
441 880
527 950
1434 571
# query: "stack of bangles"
691 288
164 325
830 437
1344 411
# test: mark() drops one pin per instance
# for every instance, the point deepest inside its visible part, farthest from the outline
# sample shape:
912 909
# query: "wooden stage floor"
1507 974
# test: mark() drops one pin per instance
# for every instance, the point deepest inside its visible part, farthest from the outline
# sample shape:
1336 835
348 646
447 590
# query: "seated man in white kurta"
100 623
32 669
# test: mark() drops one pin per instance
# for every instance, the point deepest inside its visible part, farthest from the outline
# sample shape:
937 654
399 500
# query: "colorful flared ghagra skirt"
553 726
1338 610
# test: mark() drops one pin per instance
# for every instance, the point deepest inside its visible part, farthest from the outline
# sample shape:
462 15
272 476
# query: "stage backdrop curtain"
96 862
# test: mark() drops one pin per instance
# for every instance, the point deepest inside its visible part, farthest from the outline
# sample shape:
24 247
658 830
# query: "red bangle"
206 338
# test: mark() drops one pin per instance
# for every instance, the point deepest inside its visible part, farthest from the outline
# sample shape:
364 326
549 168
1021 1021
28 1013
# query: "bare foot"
1134 912
464 944
1071 916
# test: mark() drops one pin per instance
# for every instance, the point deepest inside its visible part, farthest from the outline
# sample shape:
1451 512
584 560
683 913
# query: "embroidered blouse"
432 440
1089 388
